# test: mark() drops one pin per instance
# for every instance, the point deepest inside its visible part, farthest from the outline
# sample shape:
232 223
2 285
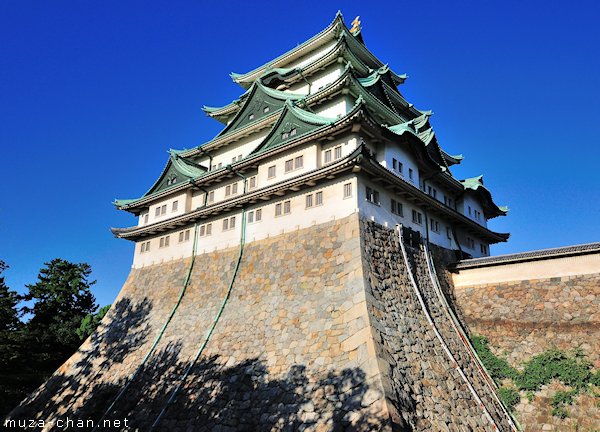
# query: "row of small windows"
294 164
315 199
475 213
337 154
265 110
162 210
217 166
231 189
236 159
281 209
398 167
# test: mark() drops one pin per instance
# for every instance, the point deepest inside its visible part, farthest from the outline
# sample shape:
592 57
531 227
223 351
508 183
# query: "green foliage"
10 325
596 378
61 300
572 370
90 322
497 367
509 396
530 395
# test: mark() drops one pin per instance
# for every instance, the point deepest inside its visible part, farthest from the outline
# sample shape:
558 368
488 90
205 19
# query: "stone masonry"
322 332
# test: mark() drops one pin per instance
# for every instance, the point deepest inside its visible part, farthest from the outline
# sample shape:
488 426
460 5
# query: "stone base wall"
422 383
526 317
322 331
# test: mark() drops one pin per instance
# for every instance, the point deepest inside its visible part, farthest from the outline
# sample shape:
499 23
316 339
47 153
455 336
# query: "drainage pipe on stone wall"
159 336
462 334
437 333
217 317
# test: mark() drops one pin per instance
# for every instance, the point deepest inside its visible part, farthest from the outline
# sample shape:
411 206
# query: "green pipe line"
210 330
158 337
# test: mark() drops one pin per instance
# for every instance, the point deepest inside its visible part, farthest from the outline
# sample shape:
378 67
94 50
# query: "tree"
9 323
62 299
90 322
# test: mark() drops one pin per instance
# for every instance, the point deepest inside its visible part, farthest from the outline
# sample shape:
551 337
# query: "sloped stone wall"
421 382
322 332
292 351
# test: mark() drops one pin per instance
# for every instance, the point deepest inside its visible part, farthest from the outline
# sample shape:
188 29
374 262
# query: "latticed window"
347 190
319 198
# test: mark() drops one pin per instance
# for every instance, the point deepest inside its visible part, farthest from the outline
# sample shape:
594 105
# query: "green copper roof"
260 102
177 170
328 33
490 208
293 123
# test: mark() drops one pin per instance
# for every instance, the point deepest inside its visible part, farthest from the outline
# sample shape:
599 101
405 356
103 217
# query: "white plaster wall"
334 206
469 200
404 155
476 251
242 147
309 153
383 215
541 269
182 204
318 80
311 56
348 143
336 108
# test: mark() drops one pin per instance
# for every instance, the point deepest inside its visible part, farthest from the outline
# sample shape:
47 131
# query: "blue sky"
92 94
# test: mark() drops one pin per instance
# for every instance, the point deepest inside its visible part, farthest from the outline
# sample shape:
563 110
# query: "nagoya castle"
291 272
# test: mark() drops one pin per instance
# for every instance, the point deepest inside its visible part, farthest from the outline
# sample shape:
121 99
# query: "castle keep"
290 273
321 132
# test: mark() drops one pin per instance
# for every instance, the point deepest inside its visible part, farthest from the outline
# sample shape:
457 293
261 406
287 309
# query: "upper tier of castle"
321 132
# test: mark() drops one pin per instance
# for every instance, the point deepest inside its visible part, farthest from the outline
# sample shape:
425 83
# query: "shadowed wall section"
322 331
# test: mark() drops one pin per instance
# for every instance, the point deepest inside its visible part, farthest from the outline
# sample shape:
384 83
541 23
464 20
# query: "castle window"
397 165
271 172
397 208
483 248
145 247
469 210
163 209
184 236
448 232
338 152
372 195
319 198
287 207
417 217
309 201
278 209
293 132
206 230
347 190
327 156
252 182
250 216
227 190
234 189
298 162
146 218
258 215
470 243
432 191
229 223
211 196
163 242
251 116
219 165
157 211
434 225
174 206
285 135
266 109
289 165
410 174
